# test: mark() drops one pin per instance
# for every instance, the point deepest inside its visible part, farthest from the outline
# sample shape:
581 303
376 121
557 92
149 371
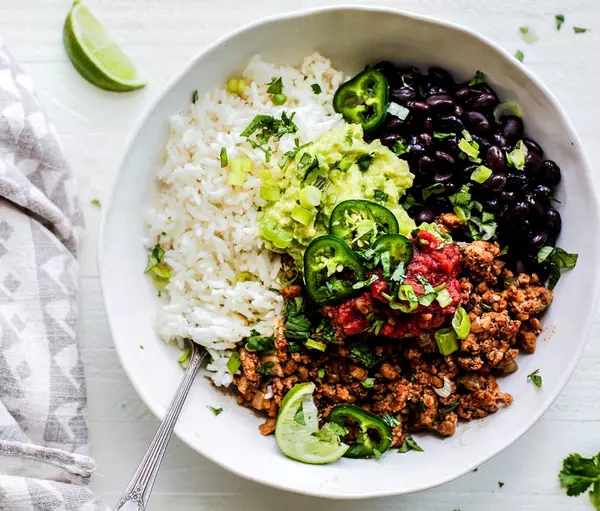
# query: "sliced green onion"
507 108
517 156
310 197
481 174
344 164
237 178
269 230
315 345
184 358
195 96
283 239
580 30
302 215
444 298
234 362
278 99
461 323
446 340
442 136
469 146
244 276
270 193
223 157
528 35
398 111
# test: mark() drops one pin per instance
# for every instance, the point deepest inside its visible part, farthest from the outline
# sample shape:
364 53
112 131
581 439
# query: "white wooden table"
163 35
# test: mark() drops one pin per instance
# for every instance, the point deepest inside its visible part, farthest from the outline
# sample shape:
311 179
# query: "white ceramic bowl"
351 36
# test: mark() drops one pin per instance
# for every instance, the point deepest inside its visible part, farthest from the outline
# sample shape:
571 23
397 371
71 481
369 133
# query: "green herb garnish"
409 445
578 474
580 30
519 55
223 157
399 148
380 195
560 19
316 88
478 78
95 202
215 411
265 368
234 362
364 161
535 378
434 189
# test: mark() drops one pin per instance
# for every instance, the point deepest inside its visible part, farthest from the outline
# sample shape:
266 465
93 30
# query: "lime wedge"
297 430
95 55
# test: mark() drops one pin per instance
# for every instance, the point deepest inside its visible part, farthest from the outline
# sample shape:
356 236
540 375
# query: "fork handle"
137 493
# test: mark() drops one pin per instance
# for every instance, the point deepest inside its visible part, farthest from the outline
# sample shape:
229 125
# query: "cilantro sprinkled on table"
578 474
409 444
215 411
535 378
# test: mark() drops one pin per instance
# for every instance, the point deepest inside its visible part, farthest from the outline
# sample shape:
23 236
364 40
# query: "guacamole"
342 166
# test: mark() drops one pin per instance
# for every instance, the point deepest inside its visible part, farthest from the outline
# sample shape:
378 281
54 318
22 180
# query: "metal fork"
137 493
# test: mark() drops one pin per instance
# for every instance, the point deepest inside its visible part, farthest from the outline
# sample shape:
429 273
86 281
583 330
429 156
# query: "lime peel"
94 53
305 442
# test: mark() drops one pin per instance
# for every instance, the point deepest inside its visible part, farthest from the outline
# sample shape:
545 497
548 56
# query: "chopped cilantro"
528 35
519 55
580 30
400 148
275 86
434 189
500 484
195 96
223 157
364 161
316 88
560 19
155 256
321 373
265 368
391 420
409 201
478 78
215 411
96 202
364 353
409 445
265 127
141 346
297 325
535 378
380 195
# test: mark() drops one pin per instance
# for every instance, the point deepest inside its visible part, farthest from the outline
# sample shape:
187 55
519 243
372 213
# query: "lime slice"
297 430
95 55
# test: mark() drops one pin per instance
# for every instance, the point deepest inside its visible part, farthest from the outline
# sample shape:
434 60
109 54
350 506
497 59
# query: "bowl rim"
303 13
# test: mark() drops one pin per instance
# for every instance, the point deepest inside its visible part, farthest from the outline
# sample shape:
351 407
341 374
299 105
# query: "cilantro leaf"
316 88
95 202
265 368
478 78
580 30
215 411
519 55
560 19
391 420
155 256
380 195
579 473
409 445
368 383
535 378
275 86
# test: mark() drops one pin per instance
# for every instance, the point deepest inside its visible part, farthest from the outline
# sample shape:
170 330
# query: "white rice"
208 228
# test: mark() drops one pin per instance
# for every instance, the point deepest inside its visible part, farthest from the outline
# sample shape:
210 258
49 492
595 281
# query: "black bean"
458 111
426 215
426 139
508 196
550 173
416 150
389 139
495 183
452 187
417 106
532 145
440 104
465 93
442 178
532 162
512 128
402 95
448 124
553 221
518 209
535 206
393 123
476 122
484 102
386 68
492 205
499 140
428 124
538 240
440 75
495 158
426 165
444 160
542 192
516 182
520 267
483 144
435 90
